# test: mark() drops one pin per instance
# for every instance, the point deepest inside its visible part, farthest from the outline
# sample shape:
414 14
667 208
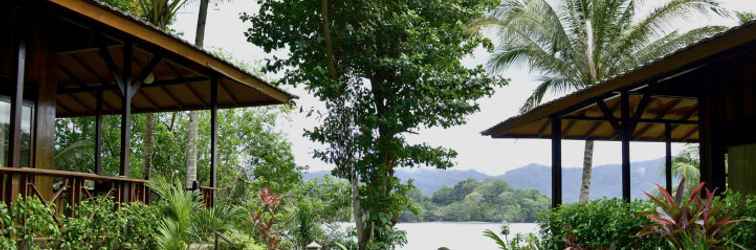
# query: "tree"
578 43
399 61
685 166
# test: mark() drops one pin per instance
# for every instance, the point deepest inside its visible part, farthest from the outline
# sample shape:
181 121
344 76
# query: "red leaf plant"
265 217
694 222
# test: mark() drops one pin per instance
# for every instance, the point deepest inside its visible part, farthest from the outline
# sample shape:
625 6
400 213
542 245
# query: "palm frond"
501 243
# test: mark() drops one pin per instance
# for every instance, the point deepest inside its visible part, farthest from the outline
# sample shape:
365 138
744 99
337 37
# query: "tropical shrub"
140 226
743 207
95 225
6 228
689 222
33 220
602 224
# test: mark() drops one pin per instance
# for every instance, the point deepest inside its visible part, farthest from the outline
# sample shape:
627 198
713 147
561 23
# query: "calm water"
456 236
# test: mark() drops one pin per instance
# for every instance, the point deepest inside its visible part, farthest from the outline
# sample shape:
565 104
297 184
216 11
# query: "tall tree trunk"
356 209
585 187
191 148
149 142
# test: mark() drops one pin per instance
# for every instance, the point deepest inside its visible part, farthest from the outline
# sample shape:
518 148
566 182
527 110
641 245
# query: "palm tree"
574 44
685 166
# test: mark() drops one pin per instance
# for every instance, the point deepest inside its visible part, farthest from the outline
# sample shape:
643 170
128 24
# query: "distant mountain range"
606 181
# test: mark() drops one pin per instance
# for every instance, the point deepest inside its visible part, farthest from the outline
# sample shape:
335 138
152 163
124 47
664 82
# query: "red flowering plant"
264 218
692 223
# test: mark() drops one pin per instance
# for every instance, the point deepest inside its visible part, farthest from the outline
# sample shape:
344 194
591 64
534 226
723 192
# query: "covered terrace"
703 93
74 58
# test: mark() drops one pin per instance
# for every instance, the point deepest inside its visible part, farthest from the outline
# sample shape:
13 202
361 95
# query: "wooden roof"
671 104
88 30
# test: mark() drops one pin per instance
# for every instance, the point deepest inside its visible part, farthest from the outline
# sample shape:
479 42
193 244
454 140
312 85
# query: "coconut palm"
573 44
685 167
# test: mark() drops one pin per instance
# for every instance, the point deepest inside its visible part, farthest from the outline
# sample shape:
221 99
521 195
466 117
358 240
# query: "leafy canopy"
396 64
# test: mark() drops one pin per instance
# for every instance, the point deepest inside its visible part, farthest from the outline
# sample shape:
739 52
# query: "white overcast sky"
225 30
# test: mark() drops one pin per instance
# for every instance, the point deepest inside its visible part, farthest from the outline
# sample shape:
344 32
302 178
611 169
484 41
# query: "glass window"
26 134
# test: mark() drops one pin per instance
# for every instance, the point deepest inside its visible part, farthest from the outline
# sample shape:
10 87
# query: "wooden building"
74 58
703 93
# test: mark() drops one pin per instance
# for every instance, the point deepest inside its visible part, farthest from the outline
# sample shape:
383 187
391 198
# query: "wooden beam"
196 94
156 84
626 136
78 101
70 74
690 133
173 97
229 93
608 114
108 59
556 162
666 109
149 99
660 121
644 102
543 128
687 116
88 68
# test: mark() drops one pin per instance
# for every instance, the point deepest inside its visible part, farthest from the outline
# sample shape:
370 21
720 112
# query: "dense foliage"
470 200
614 224
690 221
398 64
603 224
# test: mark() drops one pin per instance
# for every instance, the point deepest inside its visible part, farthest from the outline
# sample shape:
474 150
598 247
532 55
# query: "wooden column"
17 104
556 162
13 186
98 134
710 144
668 157
213 136
626 136
41 77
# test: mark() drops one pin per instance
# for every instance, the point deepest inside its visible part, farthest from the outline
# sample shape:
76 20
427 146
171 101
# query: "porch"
703 93
72 58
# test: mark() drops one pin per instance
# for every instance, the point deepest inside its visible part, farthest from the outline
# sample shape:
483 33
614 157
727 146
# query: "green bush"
141 226
33 220
95 225
743 208
6 228
603 224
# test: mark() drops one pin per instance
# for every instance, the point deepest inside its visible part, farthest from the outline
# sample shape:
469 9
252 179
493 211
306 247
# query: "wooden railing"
66 189
208 195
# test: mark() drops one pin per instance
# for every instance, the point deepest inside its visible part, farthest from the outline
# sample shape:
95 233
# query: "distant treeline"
470 200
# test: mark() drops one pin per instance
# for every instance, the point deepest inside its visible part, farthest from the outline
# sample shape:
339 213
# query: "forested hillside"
471 200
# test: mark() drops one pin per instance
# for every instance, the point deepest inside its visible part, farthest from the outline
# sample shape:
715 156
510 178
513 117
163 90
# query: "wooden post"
556 162
98 134
626 135
14 184
710 142
668 157
17 105
213 137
